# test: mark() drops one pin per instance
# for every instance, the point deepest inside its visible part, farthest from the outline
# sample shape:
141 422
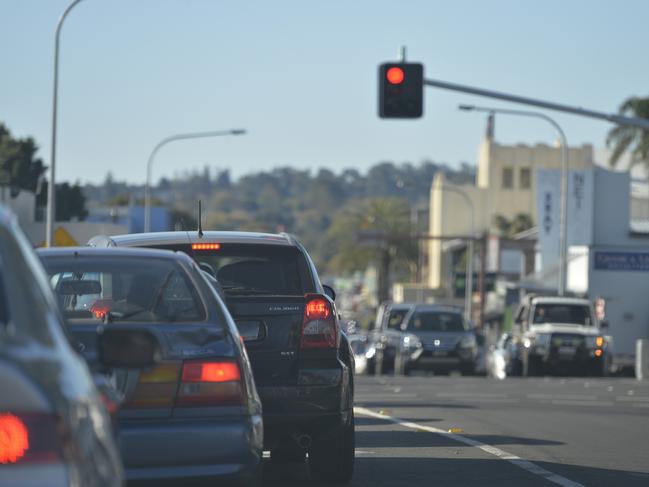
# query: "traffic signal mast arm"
618 119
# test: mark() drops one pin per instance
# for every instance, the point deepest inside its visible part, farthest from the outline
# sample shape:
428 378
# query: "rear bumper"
228 447
318 406
54 475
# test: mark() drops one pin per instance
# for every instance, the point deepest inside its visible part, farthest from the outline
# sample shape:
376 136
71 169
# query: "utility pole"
483 277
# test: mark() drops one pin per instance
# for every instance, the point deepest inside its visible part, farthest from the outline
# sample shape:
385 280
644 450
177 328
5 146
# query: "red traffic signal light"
401 90
395 75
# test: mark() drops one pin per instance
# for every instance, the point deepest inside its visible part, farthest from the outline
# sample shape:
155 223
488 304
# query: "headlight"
370 352
411 341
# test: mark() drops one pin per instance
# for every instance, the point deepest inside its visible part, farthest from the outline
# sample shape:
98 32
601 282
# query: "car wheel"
532 367
331 459
468 369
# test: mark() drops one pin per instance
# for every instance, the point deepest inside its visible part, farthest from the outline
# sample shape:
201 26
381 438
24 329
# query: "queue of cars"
550 335
208 349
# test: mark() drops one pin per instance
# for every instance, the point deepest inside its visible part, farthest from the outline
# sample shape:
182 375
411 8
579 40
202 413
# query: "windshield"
395 318
124 289
435 321
562 313
253 269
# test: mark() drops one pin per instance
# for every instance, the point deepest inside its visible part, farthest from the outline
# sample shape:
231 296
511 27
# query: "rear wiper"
245 290
112 316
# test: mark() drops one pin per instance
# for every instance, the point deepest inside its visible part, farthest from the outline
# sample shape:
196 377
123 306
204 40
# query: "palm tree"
624 138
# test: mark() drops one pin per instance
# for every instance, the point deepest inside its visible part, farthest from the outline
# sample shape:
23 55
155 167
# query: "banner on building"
548 211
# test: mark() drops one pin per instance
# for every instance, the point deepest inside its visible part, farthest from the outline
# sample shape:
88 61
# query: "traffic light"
401 90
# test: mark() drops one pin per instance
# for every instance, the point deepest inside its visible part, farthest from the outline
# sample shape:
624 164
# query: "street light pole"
563 218
51 187
163 142
468 283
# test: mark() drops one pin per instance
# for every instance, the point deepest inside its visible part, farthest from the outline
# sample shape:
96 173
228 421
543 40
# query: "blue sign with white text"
622 261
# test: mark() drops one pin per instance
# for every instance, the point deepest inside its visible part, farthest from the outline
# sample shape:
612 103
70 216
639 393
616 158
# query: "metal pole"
468 284
563 217
51 187
618 119
163 142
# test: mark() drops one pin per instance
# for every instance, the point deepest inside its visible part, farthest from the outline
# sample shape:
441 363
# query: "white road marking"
492 450
470 395
568 397
632 398
601 404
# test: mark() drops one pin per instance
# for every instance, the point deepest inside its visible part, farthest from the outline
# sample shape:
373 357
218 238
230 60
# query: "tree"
635 140
21 169
70 201
387 223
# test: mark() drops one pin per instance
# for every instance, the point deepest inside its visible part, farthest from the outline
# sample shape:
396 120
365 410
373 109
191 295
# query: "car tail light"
210 383
156 387
319 329
30 438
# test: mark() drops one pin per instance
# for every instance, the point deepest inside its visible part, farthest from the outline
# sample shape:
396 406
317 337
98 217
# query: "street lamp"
51 188
563 218
468 283
163 142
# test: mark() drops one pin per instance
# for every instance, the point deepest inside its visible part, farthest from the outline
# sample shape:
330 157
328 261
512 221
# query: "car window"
124 289
395 318
436 321
252 268
562 313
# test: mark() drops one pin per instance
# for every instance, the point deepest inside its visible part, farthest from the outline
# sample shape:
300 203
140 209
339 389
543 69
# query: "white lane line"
492 450
568 397
601 404
470 395
632 398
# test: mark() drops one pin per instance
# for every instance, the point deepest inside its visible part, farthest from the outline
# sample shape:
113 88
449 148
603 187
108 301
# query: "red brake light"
210 383
206 246
395 76
317 309
319 329
14 438
30 438
211 372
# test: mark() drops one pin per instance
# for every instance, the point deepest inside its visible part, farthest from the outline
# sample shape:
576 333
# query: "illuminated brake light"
211 372
210 383
14 438
598 353
319 329
599 341
28 438
317 309
206 246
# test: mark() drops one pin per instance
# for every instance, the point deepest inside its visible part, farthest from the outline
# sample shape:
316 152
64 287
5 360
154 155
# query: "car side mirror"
127 348
329 291
604 324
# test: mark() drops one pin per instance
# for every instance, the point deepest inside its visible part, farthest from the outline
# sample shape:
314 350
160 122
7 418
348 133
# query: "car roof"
210 236
438 307
559 300
139 253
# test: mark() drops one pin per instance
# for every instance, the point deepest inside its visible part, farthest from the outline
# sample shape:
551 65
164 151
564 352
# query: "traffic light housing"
401 90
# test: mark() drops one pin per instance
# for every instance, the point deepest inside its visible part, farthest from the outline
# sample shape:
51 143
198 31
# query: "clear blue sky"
301 77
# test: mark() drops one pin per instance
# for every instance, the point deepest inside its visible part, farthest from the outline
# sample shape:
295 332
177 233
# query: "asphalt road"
531 432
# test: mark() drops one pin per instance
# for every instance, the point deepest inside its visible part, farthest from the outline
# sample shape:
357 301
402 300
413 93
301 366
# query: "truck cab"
559 335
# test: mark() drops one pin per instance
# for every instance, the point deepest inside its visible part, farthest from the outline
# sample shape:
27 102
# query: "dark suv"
302 362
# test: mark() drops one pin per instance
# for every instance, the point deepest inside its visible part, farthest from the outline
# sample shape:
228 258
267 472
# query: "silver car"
54 428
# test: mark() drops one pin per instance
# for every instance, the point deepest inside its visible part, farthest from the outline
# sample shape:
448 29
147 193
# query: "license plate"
567 350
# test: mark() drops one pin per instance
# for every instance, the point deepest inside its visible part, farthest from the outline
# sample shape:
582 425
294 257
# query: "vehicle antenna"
200 223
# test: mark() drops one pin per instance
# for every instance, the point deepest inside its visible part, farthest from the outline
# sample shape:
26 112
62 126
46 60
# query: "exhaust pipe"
303 441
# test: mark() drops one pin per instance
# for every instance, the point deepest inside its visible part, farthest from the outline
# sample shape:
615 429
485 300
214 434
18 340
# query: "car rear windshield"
562 313
436 321
253 268
124 290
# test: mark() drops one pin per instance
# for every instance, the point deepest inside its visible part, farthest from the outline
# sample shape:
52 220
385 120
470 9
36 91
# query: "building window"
526 178
508 178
